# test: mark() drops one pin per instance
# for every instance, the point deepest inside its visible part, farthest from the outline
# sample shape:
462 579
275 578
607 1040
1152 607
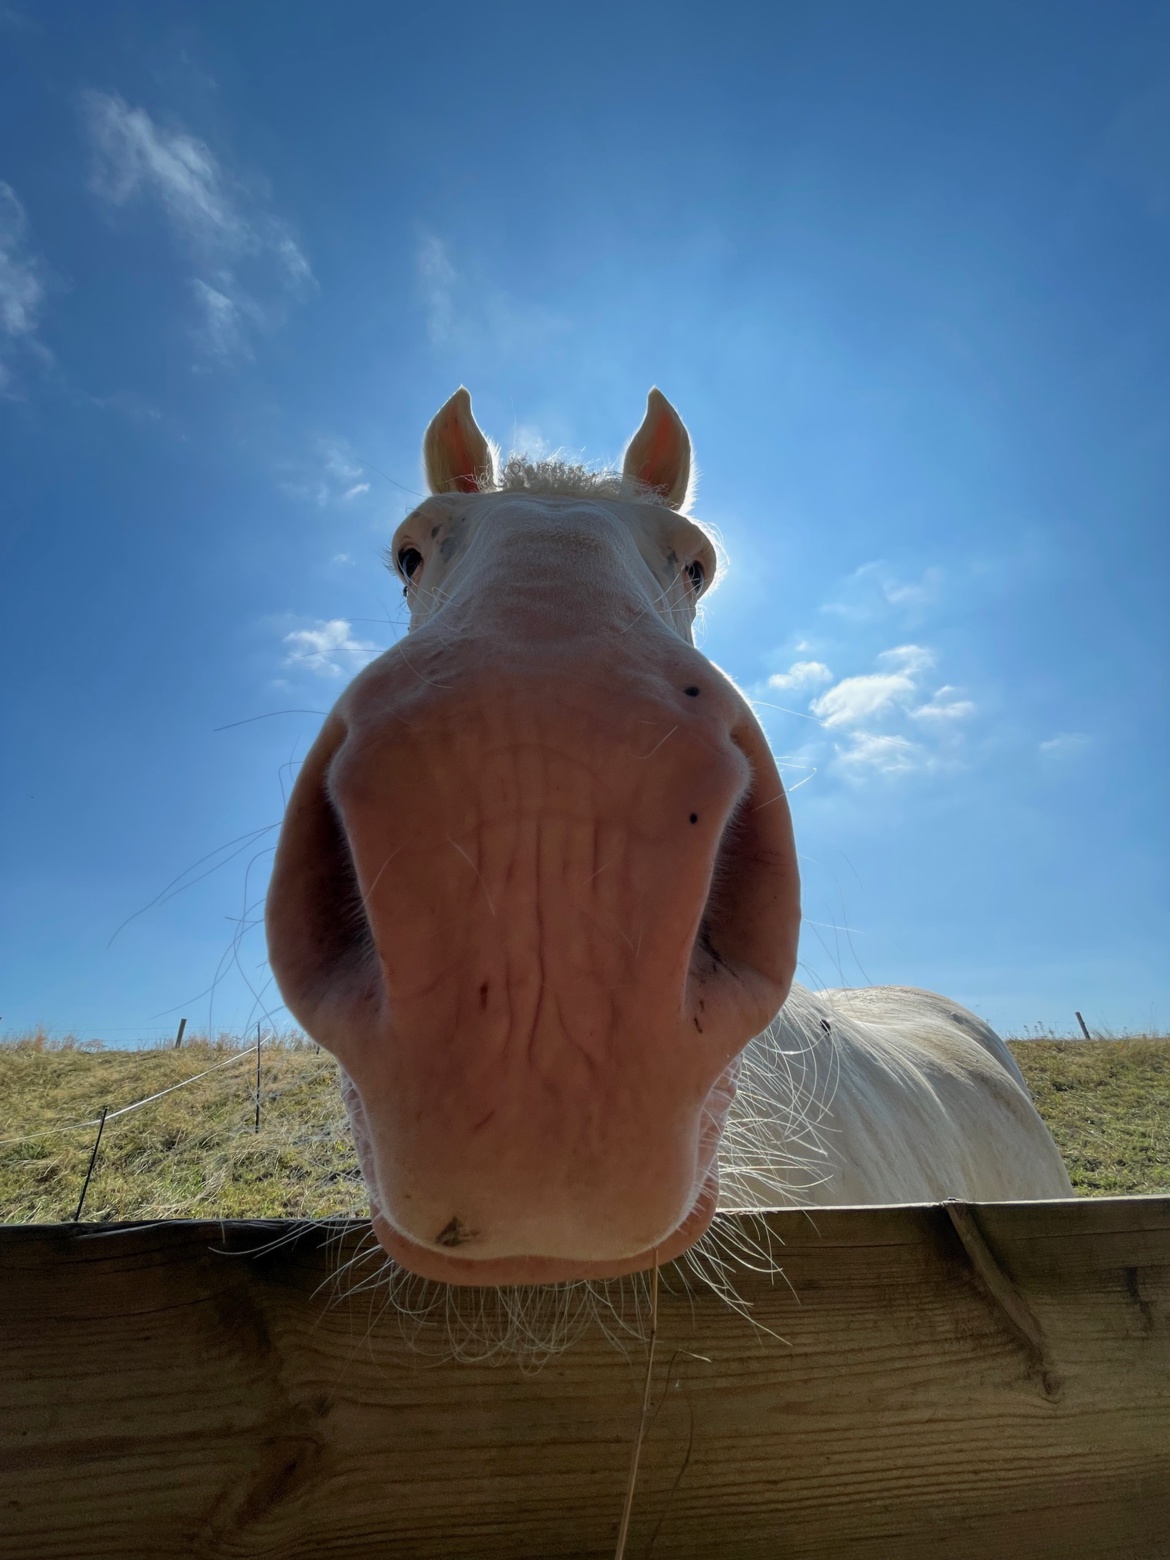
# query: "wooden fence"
984 1382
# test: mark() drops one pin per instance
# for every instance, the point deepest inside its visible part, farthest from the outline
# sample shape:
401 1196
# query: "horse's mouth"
447 1267
455 1253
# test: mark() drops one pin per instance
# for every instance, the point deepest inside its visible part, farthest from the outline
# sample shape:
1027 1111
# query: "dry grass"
1107 1104
195 1153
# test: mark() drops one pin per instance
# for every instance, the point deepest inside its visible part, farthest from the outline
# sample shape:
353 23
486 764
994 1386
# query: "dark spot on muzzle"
454 1233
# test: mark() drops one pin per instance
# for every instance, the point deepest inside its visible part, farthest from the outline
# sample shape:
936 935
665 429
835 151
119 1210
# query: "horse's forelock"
557 478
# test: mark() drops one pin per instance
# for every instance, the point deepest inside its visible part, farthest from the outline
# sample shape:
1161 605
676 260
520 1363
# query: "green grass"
195 1153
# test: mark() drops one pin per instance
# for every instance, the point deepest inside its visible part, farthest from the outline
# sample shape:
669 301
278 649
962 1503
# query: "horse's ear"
456 455
659 454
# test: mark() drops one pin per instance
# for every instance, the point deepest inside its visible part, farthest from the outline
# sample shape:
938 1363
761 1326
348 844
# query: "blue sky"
902 269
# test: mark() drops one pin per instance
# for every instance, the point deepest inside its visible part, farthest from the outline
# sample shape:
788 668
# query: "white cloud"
884 721
239 249
886 753
856 699
1065 743
801 675
944 704
890 717
357 490
329 649
22 285
911 660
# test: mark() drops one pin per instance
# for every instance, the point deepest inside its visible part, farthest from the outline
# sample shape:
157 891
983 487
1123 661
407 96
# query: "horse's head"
536 887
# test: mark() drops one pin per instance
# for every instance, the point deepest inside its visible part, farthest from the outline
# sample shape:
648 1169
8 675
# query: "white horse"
537 890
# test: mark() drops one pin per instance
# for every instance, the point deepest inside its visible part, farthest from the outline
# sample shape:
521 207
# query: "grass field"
195 1152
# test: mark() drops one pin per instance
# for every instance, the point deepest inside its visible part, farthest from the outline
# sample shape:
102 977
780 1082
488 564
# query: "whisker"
477 872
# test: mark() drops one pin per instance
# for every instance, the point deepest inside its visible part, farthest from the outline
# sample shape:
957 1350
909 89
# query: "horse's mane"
559 478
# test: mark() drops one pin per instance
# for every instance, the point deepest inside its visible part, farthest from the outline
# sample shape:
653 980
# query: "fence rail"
990 1380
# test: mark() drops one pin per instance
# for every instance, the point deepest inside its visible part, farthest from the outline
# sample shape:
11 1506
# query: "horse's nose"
508 902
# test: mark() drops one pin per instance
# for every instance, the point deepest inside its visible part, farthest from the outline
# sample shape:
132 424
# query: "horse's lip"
440 1267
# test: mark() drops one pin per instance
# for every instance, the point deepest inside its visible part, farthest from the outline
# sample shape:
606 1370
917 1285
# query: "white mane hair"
556 477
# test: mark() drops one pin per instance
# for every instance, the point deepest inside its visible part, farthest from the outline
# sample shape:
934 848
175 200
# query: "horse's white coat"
883 1095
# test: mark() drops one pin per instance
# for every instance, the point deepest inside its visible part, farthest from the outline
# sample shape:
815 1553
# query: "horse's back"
900 1096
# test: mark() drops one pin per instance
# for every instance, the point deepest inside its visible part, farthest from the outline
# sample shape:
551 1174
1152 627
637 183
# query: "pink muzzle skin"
446 1266
536 906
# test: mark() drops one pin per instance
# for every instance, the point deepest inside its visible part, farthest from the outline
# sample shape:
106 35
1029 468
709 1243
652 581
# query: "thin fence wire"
92 1121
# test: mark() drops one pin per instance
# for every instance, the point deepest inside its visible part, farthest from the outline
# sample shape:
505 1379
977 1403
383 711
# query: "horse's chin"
441 1267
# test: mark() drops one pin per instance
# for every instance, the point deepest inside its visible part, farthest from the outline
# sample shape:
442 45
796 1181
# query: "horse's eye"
696 574
409 561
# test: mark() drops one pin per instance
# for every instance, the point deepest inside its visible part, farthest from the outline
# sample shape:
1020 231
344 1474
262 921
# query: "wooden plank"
182 1389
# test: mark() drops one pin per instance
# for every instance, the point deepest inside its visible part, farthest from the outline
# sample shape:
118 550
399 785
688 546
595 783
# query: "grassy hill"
195 1153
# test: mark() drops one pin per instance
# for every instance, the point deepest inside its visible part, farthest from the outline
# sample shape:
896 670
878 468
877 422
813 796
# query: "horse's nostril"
343 926
318 933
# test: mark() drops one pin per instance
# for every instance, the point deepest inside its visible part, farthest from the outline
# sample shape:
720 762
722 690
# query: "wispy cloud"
1065 744
872 589
800 676
335 476
328 649
470 312
22 289
436 282
908 593
129 404
247 264
343 468
223 333
885 753
528 439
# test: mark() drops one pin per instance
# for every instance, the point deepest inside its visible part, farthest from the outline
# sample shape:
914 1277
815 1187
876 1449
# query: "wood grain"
175 1389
